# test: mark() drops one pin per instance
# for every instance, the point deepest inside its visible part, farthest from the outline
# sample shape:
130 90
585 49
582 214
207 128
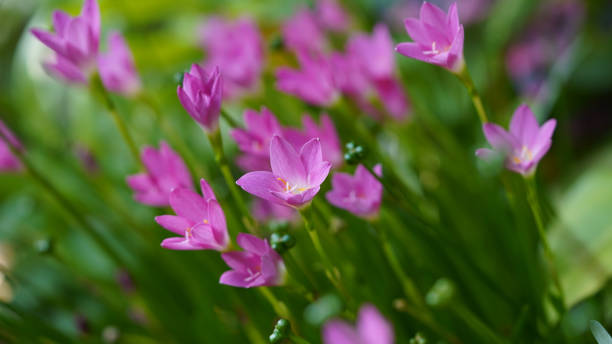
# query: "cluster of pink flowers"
75 41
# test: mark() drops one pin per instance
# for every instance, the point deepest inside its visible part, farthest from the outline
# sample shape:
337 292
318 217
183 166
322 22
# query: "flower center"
525 155
188 233
252 275
294 189
434 50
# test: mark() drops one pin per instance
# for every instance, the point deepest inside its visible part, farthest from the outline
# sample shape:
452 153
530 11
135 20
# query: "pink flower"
349 76
325 132
374 52
165 172
258 265
237 49
437 36
313 83
8 161
524 145
254 140
393 96
264 211
201 96
303 33
117 69
372 328
75 42
331 15
360 194
199 221
295 177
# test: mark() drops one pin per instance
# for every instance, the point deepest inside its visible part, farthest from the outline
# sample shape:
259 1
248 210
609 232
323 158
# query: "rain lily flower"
331 16
237 49
117 69
264 211
303 33
295 177
201 96
313 83
374 52
8 161
199 221
254 139
360 194
75 42
372 328
258 265
437 36
524 145
166 171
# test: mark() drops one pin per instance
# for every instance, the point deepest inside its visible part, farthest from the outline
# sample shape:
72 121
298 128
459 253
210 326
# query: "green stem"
477 325
466 79
229 119
279 307
534 204
64 202
217 146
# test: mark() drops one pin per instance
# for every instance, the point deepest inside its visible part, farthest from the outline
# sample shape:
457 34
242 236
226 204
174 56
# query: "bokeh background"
56 284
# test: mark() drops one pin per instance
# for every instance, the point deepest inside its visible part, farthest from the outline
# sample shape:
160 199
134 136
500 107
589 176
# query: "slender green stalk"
217 146
534 204
477 325
279 307
466 79
64 203
229 119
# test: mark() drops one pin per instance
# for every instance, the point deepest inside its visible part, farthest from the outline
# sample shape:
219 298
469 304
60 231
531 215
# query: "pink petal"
253 244
234 279
179 243
240 261
260 183
216 218
545 134
285 162
207 191
311 155
433 15
49 39
524 125
372 327
339 332
499 138
412 50
60 22
188 204
452 18
173 223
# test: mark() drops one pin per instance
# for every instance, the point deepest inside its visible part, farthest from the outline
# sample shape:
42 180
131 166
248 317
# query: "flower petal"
253 244
285 162
178 243
524 125
260 183
339 332
372 327
188 204
175 224
498 138
234 279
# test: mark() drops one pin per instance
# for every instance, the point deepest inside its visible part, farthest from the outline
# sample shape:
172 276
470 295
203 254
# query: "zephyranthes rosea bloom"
302 32
166 171
237 49
295 177
8 161
258 265
201 95
199 221
360 194
117 69
75 41
254 139
524 145
371 328
438 38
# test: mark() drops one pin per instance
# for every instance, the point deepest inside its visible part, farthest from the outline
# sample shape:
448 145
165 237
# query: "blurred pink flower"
360 194
165 172
438 37
393 97
372 328
117 69
326 133
8 161
331 16
254 139
199 221
258 265
75 42
201 96
264 211
295 177
302 33
524 145
237 49
313 83
375 52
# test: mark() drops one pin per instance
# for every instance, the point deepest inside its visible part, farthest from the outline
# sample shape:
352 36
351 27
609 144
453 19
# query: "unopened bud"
354 153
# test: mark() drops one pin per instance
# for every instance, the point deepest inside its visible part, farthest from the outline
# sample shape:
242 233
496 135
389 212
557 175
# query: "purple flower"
303 33
75 42
201 95
254 140
8 161
295 177
237 49
524 145
360 194
372 328
313 83
199 221
331 15
258 265
166 171
117 69
437 36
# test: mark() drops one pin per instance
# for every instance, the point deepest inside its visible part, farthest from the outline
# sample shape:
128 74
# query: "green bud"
276 337
288 240
283 326
418 339
354 153
440 293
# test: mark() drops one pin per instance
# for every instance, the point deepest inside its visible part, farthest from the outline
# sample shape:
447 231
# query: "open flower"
295 177
166 171
199 221
258 265
8 161
437 36
372 328
201 95
524 145
117 69
360 194
75 41
254 139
